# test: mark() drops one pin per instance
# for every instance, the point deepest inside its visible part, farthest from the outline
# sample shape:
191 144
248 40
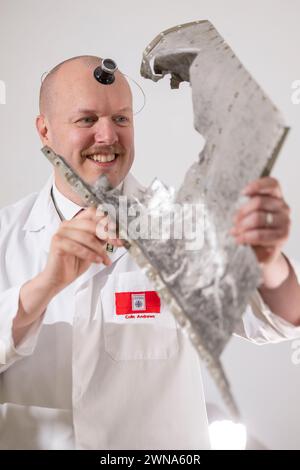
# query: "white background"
265 34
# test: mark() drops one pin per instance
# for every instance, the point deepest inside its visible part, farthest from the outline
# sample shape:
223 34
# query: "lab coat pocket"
136 323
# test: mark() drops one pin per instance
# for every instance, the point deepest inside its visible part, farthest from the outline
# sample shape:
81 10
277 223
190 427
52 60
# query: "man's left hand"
264 221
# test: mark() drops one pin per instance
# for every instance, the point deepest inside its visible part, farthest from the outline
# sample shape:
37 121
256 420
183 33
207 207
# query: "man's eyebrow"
93 111
85 111
122 110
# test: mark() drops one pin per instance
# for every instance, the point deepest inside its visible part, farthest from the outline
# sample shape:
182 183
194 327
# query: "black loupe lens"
105 72
109 64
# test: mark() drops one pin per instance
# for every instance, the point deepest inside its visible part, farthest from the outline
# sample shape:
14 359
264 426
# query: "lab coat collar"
43 212
67 208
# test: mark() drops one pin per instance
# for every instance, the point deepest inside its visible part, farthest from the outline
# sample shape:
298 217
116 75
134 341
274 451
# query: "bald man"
77 373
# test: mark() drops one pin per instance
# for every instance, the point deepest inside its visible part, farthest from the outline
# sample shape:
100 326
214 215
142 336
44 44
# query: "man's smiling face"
89 124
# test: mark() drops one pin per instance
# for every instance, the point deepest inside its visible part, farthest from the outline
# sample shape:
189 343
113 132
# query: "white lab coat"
84 378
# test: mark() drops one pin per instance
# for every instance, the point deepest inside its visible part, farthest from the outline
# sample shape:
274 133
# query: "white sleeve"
9 304
260 325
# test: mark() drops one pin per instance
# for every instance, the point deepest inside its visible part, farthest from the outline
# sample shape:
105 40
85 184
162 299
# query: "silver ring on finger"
269 219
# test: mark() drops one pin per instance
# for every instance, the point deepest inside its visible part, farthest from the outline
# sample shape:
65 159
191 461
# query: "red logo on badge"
137 302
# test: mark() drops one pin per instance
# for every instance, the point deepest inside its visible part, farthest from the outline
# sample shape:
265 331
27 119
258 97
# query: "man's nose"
105 131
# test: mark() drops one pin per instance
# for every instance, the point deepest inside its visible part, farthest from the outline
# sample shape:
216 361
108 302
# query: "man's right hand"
75 246
73 249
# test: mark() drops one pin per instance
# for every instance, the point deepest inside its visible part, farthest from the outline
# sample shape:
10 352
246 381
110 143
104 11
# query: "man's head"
86 122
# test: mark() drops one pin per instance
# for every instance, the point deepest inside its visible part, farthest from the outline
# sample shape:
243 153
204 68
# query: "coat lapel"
43 220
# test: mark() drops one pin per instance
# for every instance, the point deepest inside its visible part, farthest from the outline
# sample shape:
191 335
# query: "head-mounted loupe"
105 73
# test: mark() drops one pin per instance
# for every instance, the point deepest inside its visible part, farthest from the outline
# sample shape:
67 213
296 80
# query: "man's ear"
42 128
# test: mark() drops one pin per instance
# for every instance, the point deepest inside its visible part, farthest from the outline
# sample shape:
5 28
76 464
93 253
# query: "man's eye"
121 119
87 120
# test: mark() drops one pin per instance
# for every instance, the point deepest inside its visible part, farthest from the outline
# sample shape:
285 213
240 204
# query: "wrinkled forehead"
74 87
